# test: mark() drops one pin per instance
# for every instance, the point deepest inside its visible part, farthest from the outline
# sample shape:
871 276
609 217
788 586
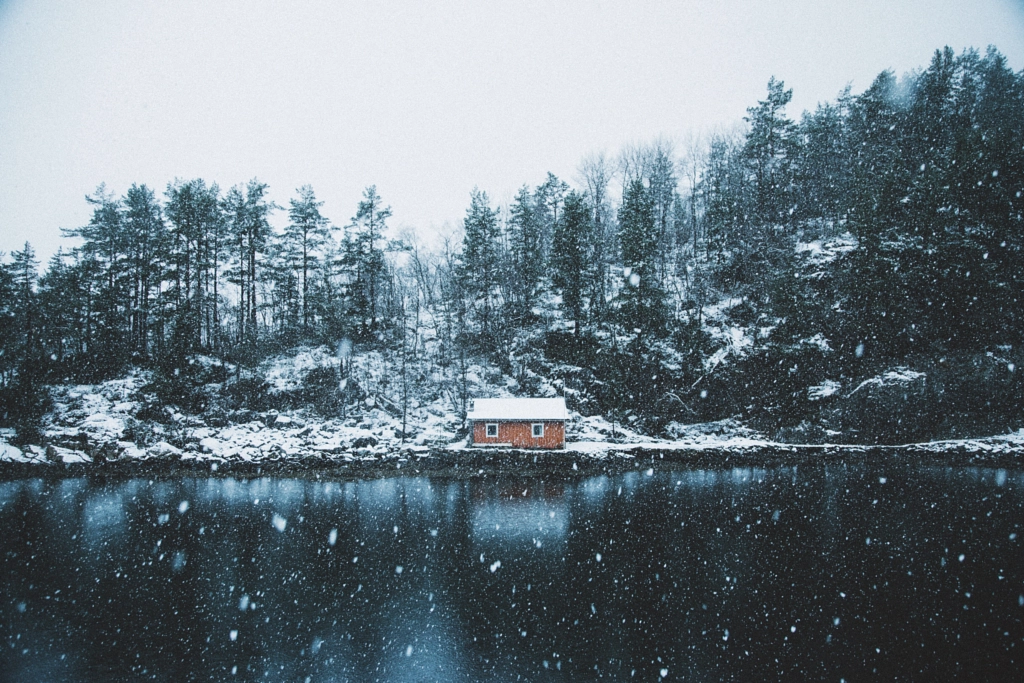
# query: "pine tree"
24 268
366 257
306 233
878 181
61 306
527 248
597 173
23 398
478 262
661 179
822 171
197 235
643 306
768 148
547 202
9 325
105 265
146 244
248 212
571 256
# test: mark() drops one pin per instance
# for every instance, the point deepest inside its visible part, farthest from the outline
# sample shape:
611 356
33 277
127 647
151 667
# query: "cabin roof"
517 409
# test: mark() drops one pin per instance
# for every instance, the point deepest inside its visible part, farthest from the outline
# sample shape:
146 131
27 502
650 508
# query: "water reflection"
811 572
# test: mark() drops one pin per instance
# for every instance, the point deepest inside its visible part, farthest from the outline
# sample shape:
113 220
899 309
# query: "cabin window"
492 431
538 430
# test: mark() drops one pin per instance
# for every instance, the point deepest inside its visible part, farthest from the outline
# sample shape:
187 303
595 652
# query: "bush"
182 386
248 393
320 389
24 403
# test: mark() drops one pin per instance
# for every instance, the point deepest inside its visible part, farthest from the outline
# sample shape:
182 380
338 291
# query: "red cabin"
518 422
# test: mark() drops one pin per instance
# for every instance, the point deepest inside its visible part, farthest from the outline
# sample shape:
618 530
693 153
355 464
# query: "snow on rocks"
67 456
162 449
115 421
820 252
897 377
824 390
9 453
818 341
286 372
1012 443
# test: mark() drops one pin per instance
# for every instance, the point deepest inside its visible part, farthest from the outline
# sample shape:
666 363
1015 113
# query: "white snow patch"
824 390
9 453
69 456
820 252
896 376
286 372
163 449
817 340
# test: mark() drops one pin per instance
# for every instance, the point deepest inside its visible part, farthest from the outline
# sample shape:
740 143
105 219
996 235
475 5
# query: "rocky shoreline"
468 462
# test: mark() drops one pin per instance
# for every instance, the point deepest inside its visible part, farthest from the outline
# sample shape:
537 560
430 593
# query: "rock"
164 450
364 442
130 450
242 416
209 445
10 453
110 450
66 455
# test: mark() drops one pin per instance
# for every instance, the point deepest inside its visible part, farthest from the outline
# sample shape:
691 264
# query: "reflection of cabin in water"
518 422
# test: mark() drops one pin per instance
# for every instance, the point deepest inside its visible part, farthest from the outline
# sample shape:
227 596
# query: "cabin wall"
520 434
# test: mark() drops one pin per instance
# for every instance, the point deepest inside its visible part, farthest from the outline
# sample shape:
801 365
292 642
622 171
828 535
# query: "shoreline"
571 463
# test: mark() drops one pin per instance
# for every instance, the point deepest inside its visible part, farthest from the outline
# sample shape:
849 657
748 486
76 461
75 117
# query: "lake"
831 572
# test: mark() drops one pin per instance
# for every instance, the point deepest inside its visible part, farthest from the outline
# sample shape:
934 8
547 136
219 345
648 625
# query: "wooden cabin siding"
520 434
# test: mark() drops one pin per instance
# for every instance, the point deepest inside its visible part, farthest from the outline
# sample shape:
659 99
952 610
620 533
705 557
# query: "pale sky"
423 99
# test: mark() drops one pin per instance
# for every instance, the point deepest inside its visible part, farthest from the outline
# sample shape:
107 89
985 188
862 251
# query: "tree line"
923 174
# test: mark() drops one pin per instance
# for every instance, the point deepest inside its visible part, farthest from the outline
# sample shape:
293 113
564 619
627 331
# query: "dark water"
818 573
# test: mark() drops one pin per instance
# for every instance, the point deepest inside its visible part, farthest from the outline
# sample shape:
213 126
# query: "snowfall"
102 422
98 423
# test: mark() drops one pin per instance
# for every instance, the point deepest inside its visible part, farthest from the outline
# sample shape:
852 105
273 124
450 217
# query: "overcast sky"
424 99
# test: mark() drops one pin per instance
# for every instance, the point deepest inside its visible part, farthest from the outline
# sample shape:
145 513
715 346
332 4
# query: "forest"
851 275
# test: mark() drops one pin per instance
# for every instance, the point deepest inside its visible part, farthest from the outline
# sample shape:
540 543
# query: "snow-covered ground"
114 420
98 422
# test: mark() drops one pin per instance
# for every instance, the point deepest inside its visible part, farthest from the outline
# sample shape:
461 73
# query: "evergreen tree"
547 202
876 122
61 306
662 183
146 244
643 300
725 196
366 257
105 267
822 173
248 212
23 398
9 326
194 210
527 248
305 235
768 148
478 263
597 174
24 269
571 256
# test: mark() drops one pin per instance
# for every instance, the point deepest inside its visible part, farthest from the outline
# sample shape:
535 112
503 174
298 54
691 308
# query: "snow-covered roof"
517 409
